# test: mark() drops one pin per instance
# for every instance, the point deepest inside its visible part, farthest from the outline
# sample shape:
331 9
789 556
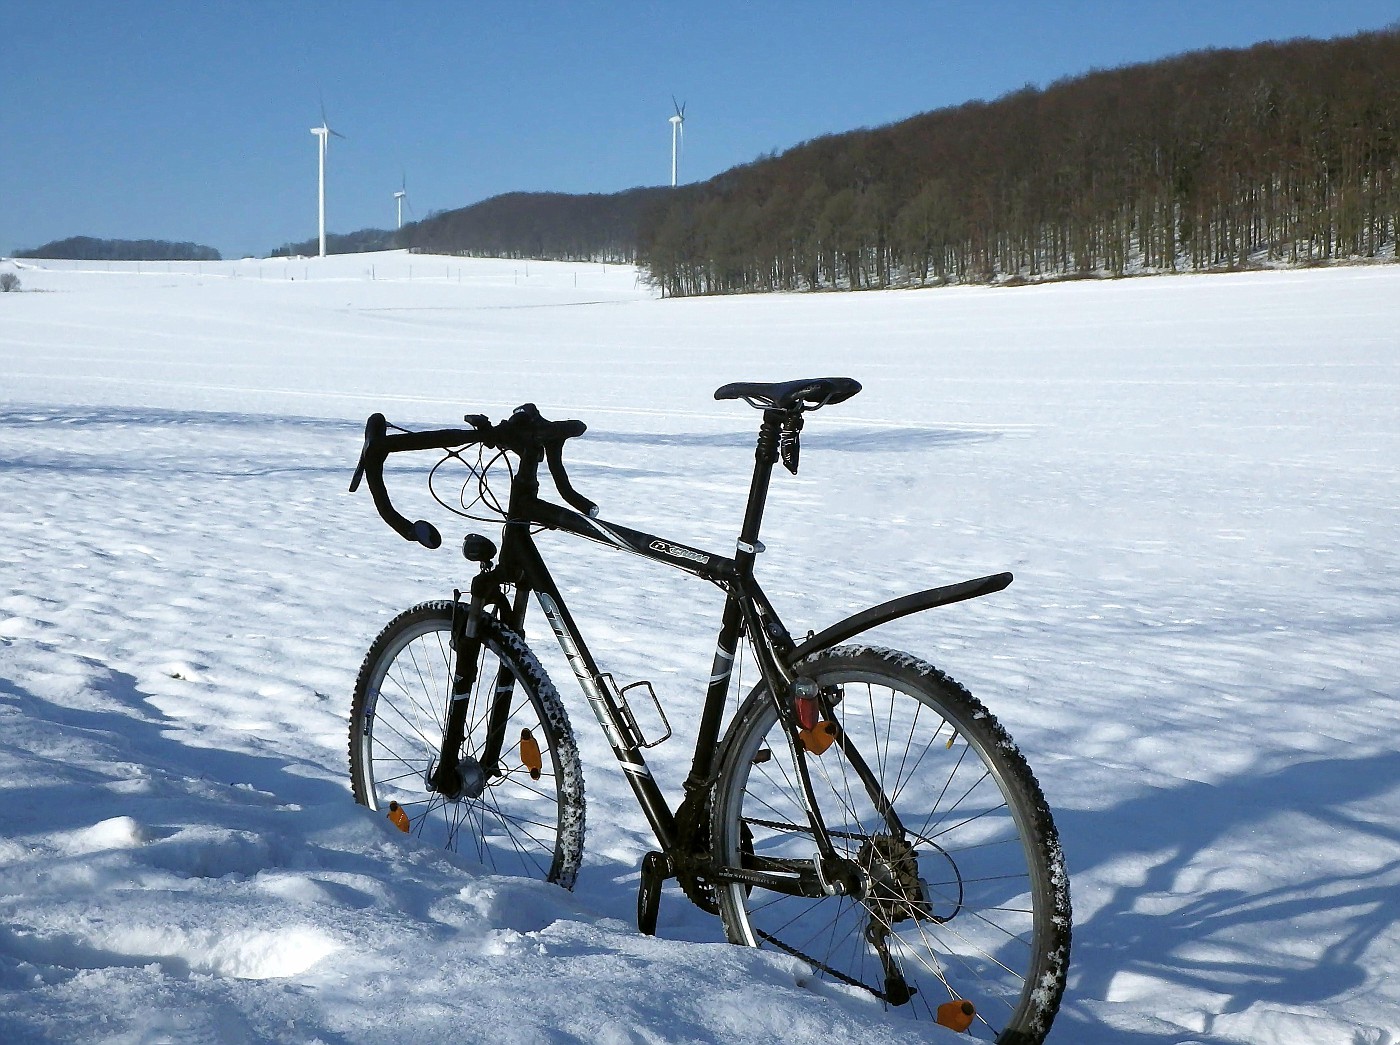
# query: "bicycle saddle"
809 394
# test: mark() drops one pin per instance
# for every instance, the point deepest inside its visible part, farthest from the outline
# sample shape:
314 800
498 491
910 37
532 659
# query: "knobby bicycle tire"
967 896
526 819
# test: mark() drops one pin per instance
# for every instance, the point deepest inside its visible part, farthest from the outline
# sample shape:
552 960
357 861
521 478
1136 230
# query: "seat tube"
765 456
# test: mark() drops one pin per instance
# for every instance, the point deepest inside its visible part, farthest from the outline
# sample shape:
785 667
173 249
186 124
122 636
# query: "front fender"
896 608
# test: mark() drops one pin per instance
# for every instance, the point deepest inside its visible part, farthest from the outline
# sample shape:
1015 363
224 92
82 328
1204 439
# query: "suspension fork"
466 658
503 692
466 651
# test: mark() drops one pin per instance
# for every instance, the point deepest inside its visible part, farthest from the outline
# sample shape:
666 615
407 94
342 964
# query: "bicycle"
861 811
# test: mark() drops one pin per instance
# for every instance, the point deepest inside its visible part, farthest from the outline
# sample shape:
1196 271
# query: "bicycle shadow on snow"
1156 930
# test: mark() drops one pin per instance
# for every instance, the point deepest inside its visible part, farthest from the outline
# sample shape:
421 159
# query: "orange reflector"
530 753
956 1015
819 737
398 816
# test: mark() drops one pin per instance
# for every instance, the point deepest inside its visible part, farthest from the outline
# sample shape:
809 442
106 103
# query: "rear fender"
903 606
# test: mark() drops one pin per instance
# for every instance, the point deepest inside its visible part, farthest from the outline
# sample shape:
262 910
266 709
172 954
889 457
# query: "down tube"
600 699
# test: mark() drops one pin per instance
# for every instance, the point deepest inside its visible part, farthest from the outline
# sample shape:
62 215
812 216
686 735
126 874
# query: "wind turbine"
323 134
400 196
677 135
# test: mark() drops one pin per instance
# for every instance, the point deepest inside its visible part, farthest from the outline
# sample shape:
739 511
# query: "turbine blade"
325 124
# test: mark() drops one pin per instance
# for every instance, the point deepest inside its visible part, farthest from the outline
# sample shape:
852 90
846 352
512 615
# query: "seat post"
765 456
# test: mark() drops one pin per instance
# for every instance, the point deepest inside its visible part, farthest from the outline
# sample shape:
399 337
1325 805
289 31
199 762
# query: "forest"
549 226
338 243
553 226
1279 154
89 248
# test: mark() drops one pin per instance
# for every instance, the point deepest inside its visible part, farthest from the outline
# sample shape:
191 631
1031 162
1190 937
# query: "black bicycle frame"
747 611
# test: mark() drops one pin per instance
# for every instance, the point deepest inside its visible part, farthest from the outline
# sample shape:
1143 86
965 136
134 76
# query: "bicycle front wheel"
525 816
962 894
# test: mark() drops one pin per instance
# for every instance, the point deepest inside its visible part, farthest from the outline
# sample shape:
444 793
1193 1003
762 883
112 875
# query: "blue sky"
191 120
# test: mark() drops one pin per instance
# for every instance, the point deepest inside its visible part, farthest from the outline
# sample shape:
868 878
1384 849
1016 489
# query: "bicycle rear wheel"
963 894
525 819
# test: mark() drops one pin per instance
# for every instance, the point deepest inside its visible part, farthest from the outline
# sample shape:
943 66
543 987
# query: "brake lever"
554 456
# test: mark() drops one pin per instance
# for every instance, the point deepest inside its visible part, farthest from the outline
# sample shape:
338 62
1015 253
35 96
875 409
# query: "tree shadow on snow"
1159 930
126 740
846 440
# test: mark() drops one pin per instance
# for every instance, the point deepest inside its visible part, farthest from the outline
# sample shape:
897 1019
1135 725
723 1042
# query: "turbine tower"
400 196
677 135
323 134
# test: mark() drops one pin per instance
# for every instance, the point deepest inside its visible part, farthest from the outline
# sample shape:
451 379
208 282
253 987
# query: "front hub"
465 780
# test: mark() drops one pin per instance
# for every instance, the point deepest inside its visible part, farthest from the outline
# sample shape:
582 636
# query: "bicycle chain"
693 849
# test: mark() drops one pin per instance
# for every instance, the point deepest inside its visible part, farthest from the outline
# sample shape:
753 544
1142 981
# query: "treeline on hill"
552 226
1284 153
340 243
549 226
88 248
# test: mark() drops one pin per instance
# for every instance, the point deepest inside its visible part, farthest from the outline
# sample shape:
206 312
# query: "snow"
1193 479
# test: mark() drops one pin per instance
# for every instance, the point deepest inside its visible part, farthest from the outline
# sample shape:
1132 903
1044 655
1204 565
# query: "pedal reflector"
530 754
398 817
819 737
956 1015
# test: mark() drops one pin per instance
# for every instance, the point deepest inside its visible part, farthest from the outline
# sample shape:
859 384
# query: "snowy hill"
1192 478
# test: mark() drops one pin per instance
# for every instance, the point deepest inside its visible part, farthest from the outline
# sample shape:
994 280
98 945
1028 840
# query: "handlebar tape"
377 447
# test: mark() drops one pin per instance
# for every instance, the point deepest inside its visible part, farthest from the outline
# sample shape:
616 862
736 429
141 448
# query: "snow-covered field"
1194 480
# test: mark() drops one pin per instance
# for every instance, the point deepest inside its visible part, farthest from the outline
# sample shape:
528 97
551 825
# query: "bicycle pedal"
655 870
